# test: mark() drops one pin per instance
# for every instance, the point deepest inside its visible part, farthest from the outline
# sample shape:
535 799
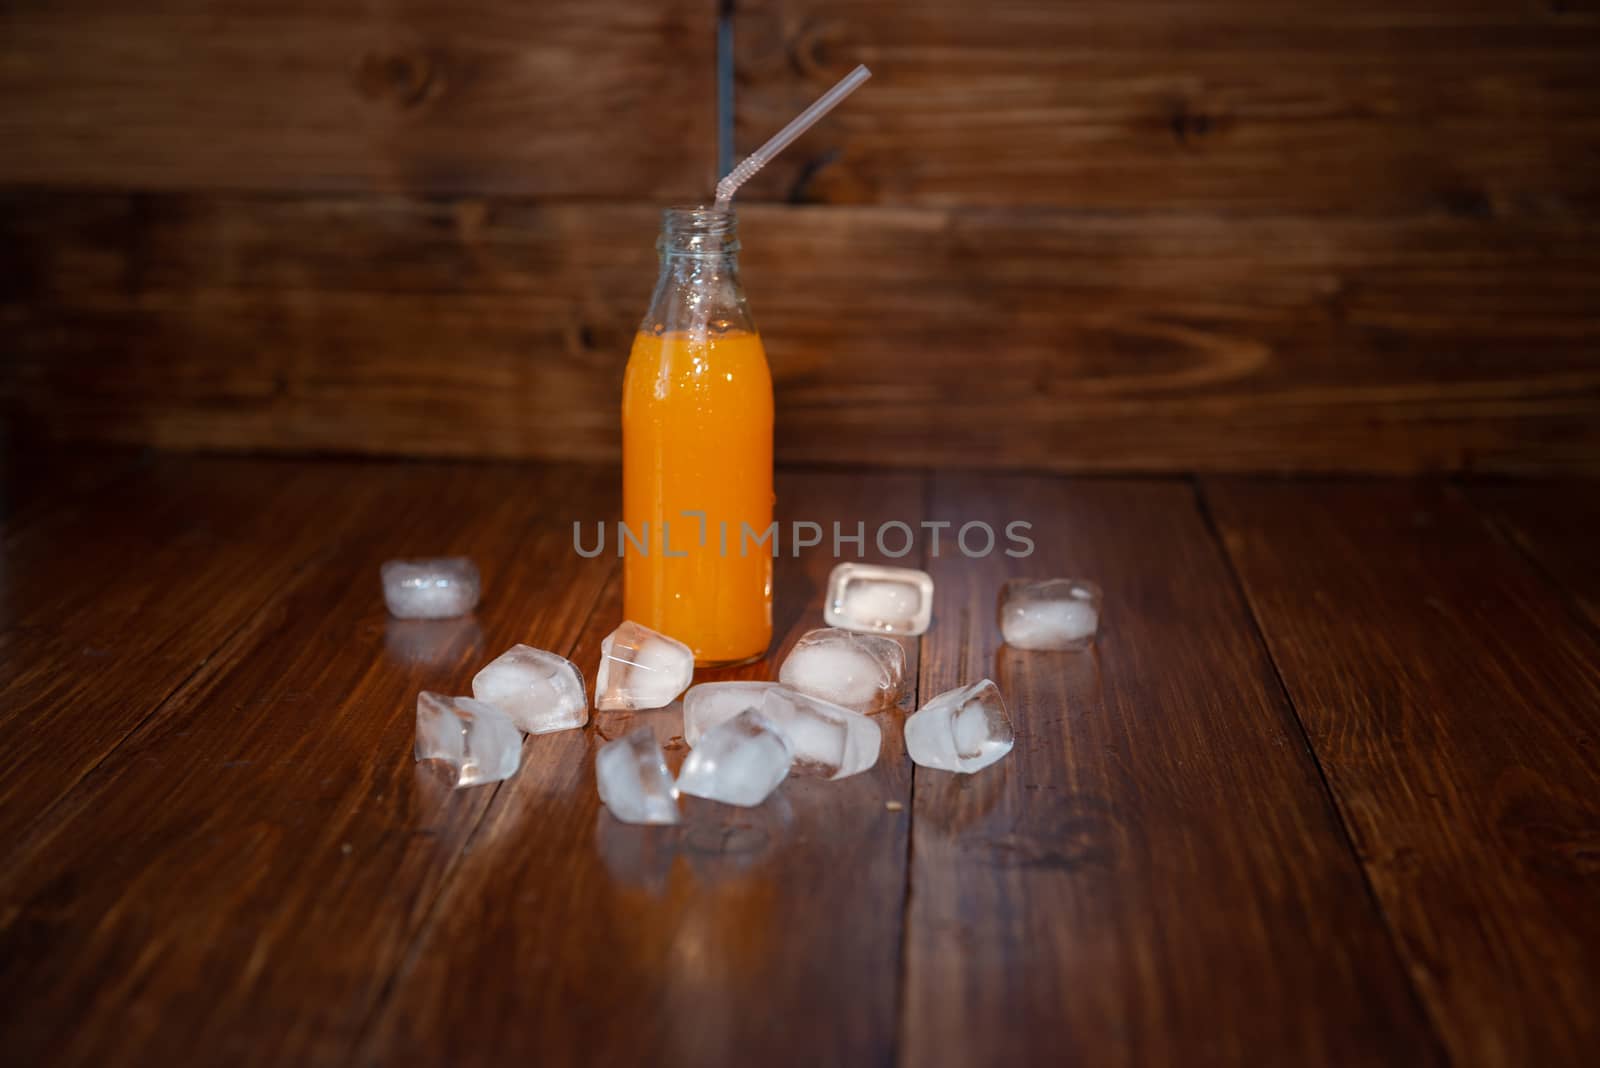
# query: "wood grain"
250 869
970 337
1154 875
761 936
1465 107
1147 236
142 585
409 95
1453 704
1555 525
235 883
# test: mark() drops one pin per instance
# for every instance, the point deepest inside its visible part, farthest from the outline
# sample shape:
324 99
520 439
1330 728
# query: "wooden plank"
112 606
761 936
1449 696
1556 525
907 337
1468 107
414 95
235 883
1154 875
416 326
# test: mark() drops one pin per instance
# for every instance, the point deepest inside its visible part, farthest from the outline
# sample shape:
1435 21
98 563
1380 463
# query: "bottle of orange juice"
697 451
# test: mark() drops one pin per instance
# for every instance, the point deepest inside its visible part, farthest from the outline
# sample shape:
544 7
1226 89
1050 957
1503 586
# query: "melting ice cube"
439 588
891 600
477 740
737 762
965 729
634 782
711 703
859 671
641 669
826 739
1049 614
540 691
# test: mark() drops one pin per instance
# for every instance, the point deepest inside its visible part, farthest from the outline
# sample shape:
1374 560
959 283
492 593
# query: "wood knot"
1063 833
1189 127
471 217
1466 202
823 51
403 79
800 188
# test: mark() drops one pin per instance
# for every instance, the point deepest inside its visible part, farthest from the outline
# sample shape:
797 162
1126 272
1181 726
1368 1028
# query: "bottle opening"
698 231
698 220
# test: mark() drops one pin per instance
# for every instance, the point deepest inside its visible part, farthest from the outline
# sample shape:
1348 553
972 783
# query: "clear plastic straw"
780 140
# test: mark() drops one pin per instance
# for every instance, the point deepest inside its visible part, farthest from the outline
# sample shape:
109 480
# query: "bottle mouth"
698 220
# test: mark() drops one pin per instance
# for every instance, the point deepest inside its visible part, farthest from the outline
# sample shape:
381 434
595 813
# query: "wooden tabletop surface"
1324 793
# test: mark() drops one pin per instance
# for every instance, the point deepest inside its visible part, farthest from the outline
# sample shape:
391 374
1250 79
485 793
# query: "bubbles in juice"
697 438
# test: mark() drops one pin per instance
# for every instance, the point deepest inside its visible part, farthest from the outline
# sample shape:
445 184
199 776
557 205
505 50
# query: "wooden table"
1325 793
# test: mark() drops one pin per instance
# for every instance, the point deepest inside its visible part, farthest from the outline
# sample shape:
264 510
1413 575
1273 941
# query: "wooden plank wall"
1348 235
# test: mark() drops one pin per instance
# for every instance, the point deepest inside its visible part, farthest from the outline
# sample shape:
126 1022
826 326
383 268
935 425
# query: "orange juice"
697 438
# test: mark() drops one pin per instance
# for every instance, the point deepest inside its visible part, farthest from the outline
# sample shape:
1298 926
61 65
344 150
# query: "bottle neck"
698 290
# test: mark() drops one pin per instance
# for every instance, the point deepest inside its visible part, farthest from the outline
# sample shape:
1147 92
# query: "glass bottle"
697 451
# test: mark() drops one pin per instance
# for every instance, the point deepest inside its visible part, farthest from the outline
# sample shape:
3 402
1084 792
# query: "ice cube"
826 739
634 781
641 669
540 691
859 671
477 740
1049 614
711 703
439 588
738 762
866 597
965 729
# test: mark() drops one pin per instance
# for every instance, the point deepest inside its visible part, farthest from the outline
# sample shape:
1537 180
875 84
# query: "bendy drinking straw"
780 140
